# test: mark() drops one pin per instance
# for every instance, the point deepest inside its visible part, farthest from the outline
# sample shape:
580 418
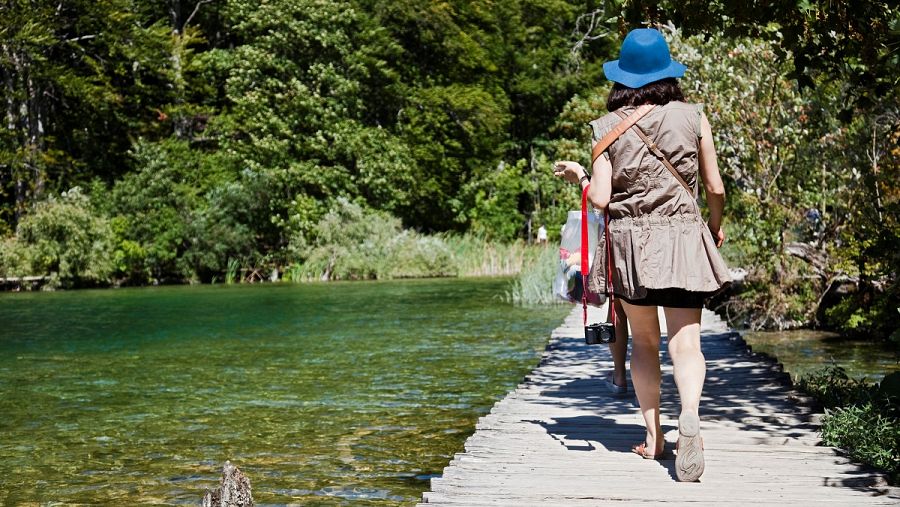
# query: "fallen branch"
810 254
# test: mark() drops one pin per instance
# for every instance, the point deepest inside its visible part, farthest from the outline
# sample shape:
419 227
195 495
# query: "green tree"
300 86
852 41
486 83
454 132
72 75
152 209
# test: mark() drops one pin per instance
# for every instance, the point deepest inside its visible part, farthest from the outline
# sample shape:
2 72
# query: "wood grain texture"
560 439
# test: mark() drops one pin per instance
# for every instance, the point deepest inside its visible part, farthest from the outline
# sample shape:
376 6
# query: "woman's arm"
601 184
712 181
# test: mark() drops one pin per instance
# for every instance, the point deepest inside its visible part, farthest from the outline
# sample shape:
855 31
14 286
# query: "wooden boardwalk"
560 439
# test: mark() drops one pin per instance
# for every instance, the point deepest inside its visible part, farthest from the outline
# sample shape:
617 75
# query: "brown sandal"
641 450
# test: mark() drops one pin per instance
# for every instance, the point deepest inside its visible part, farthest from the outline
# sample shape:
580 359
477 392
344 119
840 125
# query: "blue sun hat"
644 58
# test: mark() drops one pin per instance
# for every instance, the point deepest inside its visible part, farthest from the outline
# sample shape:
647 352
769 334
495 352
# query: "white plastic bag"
568 282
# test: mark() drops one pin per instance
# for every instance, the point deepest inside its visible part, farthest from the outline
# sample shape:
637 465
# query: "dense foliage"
63 237
405 107
853 41
228 138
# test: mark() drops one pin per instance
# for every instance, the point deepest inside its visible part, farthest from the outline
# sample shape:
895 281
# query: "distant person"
663 253
542 235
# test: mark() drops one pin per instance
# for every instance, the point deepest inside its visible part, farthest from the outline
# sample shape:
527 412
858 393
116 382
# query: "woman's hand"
568 170
718 235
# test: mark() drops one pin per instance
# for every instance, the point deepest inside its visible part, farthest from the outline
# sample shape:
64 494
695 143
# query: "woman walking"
661 251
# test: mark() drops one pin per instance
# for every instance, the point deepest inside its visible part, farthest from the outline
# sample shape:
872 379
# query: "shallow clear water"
805 351
330 394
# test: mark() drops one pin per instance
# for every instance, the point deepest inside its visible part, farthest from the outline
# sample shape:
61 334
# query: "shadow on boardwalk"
562 439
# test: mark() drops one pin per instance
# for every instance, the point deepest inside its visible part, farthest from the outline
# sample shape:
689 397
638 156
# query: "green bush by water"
62 238
350 242
862 418
354 243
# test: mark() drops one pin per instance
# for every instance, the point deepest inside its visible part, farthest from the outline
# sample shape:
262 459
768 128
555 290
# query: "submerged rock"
233 490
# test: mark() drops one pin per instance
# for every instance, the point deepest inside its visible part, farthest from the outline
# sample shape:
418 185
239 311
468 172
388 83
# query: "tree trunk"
16 111
178 119
233 490
35 127
8 166
25 120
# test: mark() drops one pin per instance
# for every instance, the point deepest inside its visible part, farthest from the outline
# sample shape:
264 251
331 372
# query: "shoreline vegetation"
861 417
66 241
350 243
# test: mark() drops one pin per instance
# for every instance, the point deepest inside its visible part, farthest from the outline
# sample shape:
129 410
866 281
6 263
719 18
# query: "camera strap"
584 258
585 245
609 287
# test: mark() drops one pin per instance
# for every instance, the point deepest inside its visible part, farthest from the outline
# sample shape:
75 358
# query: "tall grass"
233 270
534 283
477 256
408 254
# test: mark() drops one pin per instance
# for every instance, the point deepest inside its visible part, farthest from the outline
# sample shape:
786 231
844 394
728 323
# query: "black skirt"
671 298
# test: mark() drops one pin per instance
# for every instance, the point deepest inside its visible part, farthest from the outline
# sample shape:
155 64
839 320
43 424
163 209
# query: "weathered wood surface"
560 439
234 490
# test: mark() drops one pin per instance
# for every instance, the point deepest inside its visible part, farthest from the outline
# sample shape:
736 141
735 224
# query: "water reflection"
805 351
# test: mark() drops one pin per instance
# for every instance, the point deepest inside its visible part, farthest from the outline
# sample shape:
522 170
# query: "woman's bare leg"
619 348
683 329
645 375
690 371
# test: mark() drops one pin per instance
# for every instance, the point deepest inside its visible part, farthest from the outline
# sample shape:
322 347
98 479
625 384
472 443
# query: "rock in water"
233 490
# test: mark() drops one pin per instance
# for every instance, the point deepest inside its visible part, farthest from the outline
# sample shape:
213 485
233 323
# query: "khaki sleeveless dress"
659 239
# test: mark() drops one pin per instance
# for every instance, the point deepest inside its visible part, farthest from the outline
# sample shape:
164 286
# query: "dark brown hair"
658 92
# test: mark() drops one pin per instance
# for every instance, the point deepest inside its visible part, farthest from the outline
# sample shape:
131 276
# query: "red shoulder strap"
585 246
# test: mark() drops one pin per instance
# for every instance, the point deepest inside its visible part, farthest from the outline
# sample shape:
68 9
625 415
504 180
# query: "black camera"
596 334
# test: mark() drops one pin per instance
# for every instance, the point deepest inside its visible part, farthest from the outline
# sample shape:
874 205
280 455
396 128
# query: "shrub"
867 433
64 236
833 387
353 243
12 258
416 255
151 209
218 230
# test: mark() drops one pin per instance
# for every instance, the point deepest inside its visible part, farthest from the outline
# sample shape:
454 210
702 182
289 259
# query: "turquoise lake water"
323 394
